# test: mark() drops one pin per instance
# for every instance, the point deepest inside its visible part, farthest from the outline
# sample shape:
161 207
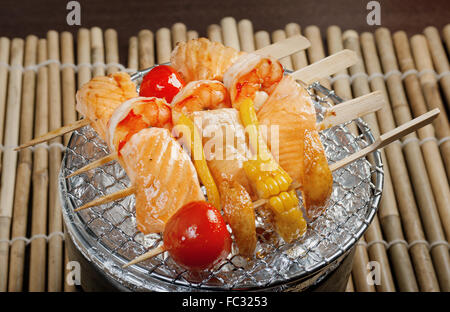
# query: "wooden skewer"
334 116
55 223
215 33
388 138
23 181
40 175
8 178
163 45
440 59
179 33
109 198
247 41
384 140
149 254
430 148
112 51
406 202
56 133
326 67
192 34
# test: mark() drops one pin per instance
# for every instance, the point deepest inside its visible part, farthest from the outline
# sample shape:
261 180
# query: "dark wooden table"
20 18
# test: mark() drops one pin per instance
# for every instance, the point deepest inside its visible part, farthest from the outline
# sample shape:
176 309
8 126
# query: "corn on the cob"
288 218
194 142
266 175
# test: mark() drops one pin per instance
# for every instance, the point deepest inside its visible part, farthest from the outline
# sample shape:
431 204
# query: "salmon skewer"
163 174
279 50
297 146
96 101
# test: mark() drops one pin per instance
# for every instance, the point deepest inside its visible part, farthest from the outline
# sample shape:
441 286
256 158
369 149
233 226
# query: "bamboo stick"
112 51
230 33
246 38
413 156
430 149
179 33
10 156
4 59
84 56
40 177
400 110
350 287
215 33
69 112
55 244
377 251
23 180
316 51
389 217
341 85
68 82
192 34
133 53
359 269
163 45
97 52
279 35
262 39
388 206
406 202
299 59
146 49
446 34
431 92
440 59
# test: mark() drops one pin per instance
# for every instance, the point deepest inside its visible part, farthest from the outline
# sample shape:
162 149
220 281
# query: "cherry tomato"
196 236
162 82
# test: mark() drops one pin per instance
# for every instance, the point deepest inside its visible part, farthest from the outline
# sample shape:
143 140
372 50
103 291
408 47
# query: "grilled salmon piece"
297 147
201 59
164 177
98 98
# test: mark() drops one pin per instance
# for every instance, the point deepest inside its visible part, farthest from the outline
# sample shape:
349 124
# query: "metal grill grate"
107 235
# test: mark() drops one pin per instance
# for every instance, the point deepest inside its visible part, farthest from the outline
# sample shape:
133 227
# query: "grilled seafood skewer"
123 89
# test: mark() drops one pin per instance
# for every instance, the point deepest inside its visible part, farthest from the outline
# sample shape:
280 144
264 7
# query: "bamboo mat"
408 239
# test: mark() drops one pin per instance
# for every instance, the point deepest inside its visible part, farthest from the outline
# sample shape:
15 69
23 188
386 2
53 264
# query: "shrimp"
201 59
198 96
137 114
98 98
252 76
